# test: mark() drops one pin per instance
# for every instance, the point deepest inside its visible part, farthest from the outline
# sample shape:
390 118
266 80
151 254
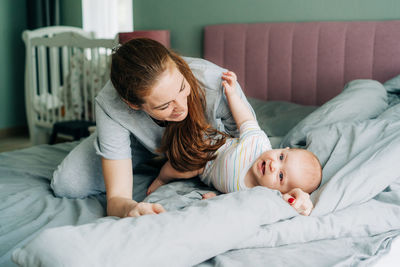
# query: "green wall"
12 51
71 13
12 56
186 18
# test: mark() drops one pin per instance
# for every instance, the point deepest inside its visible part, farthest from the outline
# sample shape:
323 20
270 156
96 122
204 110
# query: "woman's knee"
79 174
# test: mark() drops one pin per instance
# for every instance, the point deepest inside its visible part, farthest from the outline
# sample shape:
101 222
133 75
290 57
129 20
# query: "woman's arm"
239 109
118 180
114 141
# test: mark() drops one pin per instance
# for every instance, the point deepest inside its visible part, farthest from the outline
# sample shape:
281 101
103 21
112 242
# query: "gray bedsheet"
28 206
356 215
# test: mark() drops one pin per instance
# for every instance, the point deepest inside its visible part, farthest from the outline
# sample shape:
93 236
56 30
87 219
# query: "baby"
250 161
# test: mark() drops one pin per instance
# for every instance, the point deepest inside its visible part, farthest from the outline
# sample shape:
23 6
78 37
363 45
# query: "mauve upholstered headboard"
306 62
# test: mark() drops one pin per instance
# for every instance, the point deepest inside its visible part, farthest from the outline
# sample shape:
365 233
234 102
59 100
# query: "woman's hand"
299 200
143 208
125 207
229 82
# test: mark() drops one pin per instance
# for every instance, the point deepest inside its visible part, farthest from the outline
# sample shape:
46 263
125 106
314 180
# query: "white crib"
65 69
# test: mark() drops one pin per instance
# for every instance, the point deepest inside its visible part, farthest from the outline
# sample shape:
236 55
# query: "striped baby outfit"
227 171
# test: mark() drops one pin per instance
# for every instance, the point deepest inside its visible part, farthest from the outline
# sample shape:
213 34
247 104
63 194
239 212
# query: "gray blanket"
356 136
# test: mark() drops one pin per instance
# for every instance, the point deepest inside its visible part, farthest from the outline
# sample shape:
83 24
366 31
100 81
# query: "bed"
293 74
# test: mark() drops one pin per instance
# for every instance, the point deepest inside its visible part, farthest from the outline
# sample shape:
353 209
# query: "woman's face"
168 98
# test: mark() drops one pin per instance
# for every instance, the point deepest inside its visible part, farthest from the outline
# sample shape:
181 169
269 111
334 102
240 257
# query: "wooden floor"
14 142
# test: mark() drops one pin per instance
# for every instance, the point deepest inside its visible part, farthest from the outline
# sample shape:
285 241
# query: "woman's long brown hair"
135 68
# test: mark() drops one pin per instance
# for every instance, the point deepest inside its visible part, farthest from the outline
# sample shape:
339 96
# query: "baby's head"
286 169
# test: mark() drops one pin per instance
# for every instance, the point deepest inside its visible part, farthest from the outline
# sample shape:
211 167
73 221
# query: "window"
107 17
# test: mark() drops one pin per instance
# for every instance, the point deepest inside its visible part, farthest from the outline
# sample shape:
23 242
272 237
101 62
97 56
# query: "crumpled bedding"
27 204
356 136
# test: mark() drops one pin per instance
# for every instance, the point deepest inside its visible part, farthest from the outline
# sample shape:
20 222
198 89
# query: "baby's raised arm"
240 111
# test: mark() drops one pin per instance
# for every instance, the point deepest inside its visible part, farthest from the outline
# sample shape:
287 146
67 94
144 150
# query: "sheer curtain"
107 17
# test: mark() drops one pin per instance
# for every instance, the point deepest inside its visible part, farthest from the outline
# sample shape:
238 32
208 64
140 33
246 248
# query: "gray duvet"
356 136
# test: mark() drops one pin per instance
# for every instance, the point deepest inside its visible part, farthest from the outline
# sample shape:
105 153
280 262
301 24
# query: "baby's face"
284 170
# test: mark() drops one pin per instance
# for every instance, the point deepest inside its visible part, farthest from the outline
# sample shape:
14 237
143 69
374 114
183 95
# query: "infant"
249 161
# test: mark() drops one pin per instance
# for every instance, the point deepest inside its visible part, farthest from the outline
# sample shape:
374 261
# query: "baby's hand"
229 82
299 200
154 185
208 195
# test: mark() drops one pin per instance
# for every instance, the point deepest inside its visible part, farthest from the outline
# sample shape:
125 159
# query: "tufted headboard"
306 62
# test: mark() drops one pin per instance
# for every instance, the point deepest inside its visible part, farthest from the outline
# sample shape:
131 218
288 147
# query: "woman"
154 98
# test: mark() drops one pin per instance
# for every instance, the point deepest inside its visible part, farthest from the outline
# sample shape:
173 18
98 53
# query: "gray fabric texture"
277 118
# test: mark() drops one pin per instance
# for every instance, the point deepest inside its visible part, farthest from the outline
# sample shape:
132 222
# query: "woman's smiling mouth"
177 115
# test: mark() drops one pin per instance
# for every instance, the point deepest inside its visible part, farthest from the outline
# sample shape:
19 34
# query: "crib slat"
100 80
108 66
75 90
92 74
85 80
55 84
64 75
33 81
43 84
